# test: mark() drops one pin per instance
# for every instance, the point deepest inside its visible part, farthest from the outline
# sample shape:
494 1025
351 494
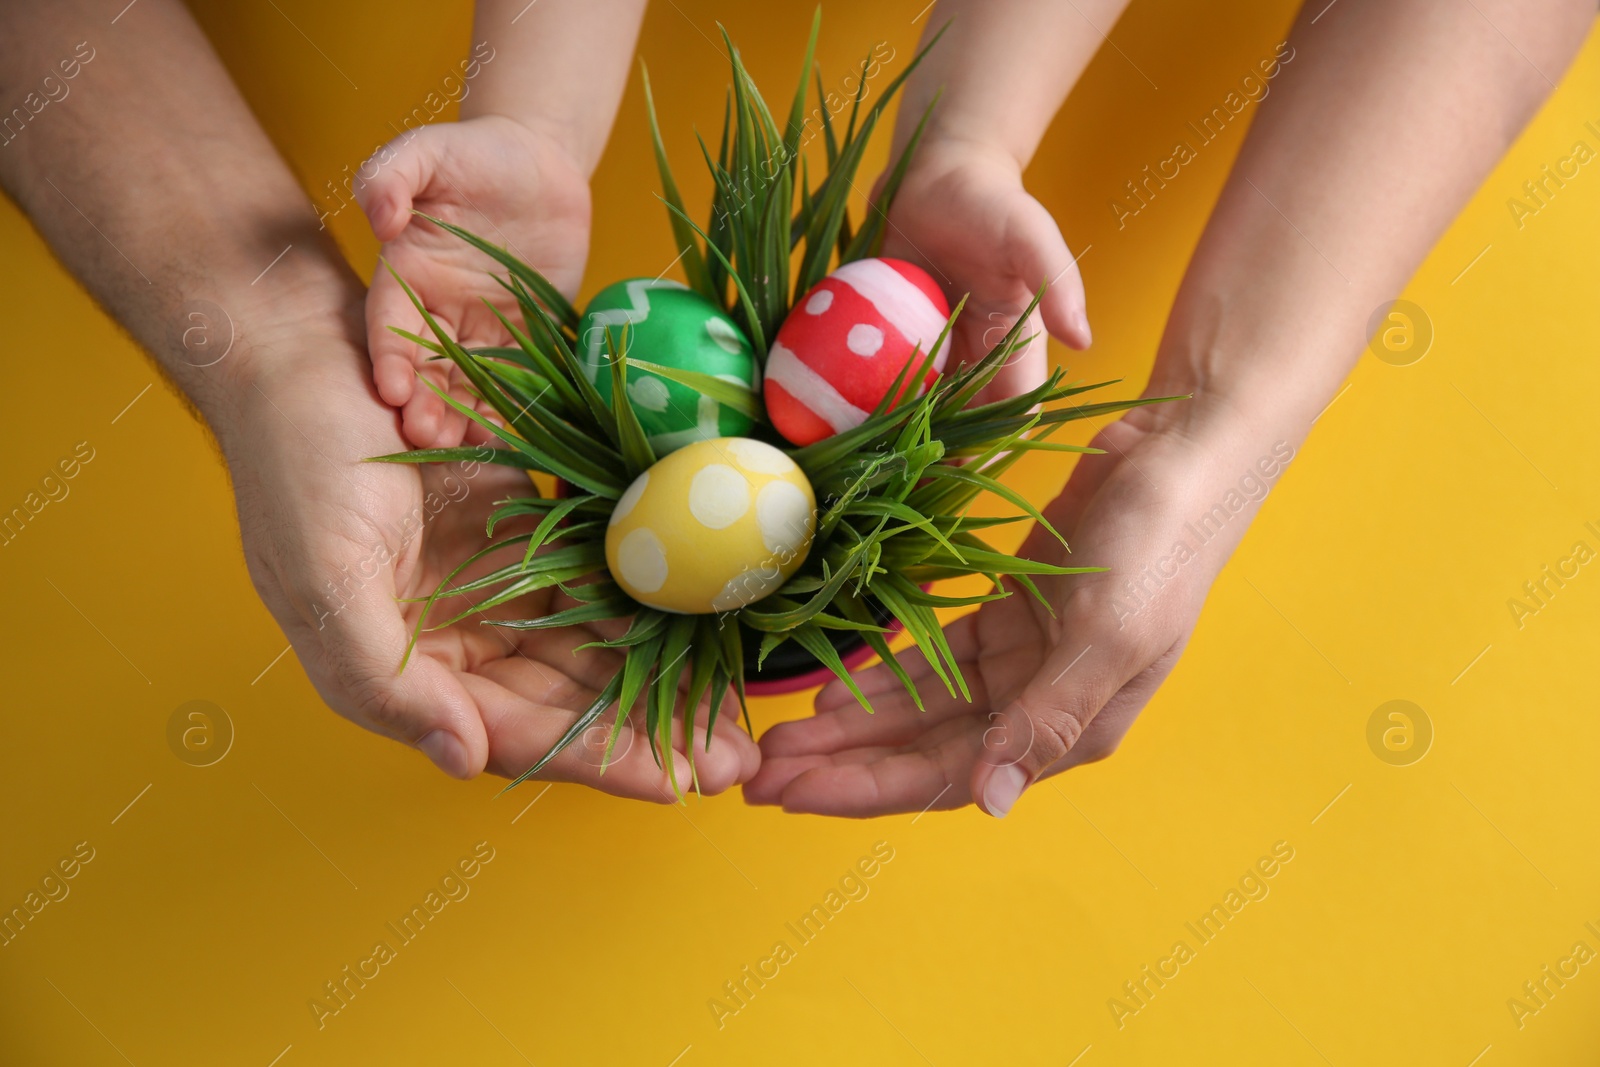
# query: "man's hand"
963 214
507 182
1049 691
334 545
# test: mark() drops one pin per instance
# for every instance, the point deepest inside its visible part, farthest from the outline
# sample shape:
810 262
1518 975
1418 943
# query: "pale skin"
515 169
962 213
113 179
1367 142
1373 137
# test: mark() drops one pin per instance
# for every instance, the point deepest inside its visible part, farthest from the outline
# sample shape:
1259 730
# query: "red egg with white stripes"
844 344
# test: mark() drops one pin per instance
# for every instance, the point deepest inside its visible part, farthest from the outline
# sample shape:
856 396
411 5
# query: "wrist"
943 148
1256 363
963 121
304 332
543 132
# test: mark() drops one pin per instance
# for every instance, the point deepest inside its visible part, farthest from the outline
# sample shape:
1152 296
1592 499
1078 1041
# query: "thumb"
403 168
359 643
1041 256
1099 653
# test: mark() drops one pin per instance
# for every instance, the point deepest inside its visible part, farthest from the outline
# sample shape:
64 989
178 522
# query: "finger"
841 722
1095 658
478 435
357 650
394 359
521 732
729 756
878 781
450 427
842 729
423 416
544 675
427 420
403 167
895 720
1041 255
767 785
402 170
1111 725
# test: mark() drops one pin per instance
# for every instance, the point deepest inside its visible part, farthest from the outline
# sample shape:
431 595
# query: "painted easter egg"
675 327
841 348
712 527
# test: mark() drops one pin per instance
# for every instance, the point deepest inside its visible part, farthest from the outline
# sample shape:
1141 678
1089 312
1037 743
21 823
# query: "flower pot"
790 668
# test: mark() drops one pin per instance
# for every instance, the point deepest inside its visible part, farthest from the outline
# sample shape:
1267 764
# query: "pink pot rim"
821 676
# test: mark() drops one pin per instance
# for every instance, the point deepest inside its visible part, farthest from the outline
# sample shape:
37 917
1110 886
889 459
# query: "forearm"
560 68
1365 151
1005 66
155 186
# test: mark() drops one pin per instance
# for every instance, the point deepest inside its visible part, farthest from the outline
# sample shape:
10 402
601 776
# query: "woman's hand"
334 545
963 215
1161 510
505 181
1268 320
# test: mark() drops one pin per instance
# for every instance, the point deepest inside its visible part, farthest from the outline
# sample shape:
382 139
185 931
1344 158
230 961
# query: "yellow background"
222 900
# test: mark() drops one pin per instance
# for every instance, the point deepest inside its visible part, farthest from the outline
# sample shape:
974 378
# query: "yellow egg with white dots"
712 527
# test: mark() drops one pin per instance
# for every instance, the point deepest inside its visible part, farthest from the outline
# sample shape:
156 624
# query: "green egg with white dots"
672 326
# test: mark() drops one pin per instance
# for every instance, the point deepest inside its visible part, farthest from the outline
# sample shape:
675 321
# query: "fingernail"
1080 324
1005 786
447 753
